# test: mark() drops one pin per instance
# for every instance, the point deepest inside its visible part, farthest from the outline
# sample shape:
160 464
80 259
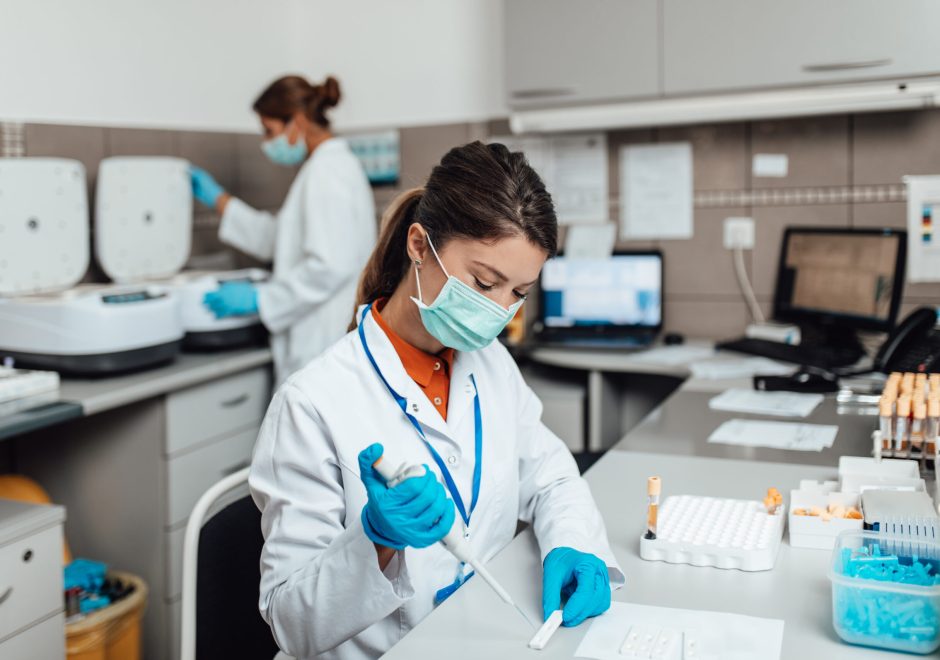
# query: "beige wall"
845 154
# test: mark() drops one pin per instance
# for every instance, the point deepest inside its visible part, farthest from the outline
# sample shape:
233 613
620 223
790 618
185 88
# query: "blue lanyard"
478 432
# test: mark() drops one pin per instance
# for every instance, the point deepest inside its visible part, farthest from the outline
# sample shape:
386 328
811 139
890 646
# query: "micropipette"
453 540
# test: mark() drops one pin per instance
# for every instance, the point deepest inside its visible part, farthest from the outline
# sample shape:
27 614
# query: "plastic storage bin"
871 607
113 632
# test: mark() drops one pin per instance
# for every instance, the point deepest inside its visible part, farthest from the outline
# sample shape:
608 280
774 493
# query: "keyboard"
814 356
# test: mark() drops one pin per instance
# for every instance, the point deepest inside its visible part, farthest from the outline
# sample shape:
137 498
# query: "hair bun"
329 92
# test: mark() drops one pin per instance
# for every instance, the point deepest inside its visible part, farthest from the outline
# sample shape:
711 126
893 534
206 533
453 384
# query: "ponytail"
389 261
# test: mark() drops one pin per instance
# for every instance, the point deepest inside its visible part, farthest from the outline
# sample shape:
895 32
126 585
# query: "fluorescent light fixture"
731 107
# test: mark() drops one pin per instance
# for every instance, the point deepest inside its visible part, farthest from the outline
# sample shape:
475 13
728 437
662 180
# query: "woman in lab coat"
318 241
349 566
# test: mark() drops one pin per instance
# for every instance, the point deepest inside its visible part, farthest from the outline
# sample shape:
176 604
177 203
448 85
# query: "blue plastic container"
886 591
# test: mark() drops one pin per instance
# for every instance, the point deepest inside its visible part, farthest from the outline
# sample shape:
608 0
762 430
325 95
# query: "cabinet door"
571 51
745 44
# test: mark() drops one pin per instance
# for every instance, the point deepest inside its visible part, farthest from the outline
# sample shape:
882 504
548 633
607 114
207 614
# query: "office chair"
221 550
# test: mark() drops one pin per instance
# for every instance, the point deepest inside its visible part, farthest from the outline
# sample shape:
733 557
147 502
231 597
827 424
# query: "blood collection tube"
901 435
907 383
654 487
918 422
933 429
933 384
885 424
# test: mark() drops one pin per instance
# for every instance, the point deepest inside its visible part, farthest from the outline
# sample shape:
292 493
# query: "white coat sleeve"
329 258
320 581
250 230
553 496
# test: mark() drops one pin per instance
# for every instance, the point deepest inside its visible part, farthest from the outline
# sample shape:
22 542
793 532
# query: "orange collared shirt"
430 372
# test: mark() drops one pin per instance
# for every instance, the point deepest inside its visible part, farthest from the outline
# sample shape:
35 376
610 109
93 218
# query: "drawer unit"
191 474
43 641
198 414
30 580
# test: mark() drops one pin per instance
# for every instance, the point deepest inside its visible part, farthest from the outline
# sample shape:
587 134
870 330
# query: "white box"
813 531
858 474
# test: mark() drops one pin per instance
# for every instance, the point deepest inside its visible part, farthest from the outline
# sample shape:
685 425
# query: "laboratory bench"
135 456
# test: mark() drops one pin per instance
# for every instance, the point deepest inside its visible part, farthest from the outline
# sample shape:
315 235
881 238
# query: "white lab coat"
319 242
322 590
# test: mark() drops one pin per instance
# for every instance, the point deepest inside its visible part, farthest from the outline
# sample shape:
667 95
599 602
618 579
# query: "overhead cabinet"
735 45
561 52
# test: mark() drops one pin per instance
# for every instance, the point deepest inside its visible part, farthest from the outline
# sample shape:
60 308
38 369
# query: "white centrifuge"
48 322
156 191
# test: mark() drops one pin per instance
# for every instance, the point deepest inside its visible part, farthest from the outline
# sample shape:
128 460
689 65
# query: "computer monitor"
841 280
623 291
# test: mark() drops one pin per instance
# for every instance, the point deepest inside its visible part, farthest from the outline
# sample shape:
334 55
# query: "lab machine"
47 319
143 215
833 282
610 302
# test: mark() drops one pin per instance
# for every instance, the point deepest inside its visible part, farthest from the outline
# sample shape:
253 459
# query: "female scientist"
349 565
318 241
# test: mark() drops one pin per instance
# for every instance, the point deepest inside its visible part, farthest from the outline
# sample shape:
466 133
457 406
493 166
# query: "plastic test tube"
918 422
654 487
901 426
906 385
933 428
933 384
885 425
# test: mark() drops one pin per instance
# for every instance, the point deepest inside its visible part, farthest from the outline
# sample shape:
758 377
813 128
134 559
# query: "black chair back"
228 624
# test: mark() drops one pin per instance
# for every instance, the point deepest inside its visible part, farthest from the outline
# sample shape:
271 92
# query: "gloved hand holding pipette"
416 512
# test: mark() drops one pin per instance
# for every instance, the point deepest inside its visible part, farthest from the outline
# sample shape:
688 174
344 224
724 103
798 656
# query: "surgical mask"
461 317
281 152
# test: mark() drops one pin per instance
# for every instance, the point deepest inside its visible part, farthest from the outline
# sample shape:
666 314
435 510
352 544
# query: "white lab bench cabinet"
32 622
130 477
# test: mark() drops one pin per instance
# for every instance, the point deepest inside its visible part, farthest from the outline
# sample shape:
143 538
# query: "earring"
418 262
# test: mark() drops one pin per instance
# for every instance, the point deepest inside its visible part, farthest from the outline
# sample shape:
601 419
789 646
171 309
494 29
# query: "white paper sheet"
590 241
775 435
672 355
716 635
784 404
574 169
923 228
656 191
723 367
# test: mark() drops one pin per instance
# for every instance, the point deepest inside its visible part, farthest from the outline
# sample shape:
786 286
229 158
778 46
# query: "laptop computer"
613 302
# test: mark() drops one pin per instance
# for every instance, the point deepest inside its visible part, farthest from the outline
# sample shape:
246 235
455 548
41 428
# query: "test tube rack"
713 531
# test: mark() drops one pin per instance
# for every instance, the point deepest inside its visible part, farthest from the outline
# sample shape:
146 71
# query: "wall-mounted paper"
656 191
770 165
574 169
923 239
590 241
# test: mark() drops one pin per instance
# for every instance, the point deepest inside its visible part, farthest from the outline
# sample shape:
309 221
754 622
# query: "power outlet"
739 233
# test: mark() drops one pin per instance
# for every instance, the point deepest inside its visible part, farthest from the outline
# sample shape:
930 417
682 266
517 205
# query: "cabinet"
32 624
563 52
129 478
726 45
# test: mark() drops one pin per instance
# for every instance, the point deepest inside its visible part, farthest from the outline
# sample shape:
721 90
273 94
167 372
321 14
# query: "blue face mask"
461 317
281 152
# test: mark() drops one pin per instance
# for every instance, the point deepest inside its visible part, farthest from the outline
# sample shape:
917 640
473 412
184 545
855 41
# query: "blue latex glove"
206 189
580 577
232 299
416 512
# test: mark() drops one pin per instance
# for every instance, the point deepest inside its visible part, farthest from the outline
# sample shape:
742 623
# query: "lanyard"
477 424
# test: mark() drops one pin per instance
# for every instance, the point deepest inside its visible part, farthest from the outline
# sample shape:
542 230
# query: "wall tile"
261 183
701 265
140 142
706 318
817 147
82 143
422 148
720 154
888 145
769 223
214 152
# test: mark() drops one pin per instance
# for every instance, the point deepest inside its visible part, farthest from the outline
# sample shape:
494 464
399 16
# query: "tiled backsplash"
702 295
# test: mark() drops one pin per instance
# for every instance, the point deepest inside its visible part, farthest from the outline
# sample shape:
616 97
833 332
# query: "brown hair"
292 94
479 191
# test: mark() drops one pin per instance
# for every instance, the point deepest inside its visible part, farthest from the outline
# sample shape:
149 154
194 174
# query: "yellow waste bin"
113 632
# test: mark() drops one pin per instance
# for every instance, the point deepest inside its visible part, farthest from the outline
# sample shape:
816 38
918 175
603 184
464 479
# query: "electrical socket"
739 233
